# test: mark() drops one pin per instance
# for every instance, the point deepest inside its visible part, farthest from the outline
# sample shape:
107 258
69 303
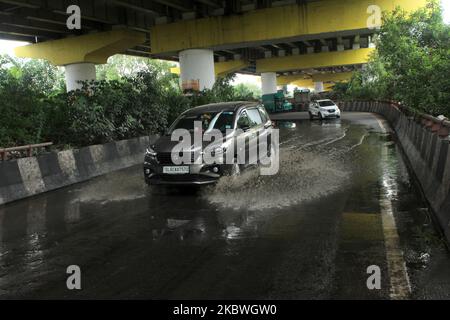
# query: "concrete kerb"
27 177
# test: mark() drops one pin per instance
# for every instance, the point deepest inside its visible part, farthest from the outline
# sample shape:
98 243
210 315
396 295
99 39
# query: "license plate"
176 170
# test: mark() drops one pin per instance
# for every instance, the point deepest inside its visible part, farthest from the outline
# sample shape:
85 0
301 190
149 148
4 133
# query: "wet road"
342 201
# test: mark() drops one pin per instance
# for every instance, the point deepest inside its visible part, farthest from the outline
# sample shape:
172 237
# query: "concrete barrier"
426 143
27 177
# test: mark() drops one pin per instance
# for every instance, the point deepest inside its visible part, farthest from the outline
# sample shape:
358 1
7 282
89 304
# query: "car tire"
320 116
311 117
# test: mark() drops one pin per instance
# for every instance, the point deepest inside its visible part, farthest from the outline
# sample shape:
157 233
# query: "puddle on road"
303 176
125 189
309 169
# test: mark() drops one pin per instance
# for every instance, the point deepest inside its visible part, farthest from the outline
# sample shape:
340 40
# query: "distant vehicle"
276 102
324 109
301 99
235 120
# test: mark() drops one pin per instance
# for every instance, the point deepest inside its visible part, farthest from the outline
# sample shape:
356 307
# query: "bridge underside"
291 38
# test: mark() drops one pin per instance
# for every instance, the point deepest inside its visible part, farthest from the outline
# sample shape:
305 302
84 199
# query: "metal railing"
27 149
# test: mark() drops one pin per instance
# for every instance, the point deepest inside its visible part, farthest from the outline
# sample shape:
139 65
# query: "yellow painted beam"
300 81
278 23
222 68
305 83
294 79
175 70
316 60
94 48
332 77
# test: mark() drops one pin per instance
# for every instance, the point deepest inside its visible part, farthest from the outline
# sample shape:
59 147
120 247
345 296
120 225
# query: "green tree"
412 62
23 88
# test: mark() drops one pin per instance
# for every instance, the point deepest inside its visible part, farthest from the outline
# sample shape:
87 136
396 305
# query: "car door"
316 108
243 136
264 133
311 108
257 129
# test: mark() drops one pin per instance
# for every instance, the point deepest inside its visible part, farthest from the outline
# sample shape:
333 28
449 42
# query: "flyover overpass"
288 41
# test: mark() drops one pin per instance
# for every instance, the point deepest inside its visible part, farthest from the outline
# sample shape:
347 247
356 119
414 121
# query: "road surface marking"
398 273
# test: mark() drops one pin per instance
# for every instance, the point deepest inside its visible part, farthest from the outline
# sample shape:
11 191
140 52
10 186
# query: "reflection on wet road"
309 232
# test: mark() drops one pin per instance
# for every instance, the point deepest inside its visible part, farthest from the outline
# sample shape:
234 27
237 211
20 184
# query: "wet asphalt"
310 232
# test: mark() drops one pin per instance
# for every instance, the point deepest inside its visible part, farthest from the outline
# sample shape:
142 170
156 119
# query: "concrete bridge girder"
285 24
193 41
79 55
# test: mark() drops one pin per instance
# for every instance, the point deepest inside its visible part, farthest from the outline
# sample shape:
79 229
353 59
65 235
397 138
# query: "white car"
324 109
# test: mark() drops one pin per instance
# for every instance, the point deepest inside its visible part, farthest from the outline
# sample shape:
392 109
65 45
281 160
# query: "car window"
243 121
224 121
263 114
187 121
327 103
255 117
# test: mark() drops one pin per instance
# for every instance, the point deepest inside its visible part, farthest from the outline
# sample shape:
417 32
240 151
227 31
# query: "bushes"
35 107
105 111
21 107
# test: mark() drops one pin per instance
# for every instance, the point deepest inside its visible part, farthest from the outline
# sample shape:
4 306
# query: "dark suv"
243 121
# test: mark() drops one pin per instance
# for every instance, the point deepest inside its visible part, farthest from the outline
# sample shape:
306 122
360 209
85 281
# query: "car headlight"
150 152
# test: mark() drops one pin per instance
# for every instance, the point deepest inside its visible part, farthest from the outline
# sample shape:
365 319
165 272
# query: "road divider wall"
426 143
27 177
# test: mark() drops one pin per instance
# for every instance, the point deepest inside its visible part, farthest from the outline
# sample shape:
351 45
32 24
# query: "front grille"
331 111
166 158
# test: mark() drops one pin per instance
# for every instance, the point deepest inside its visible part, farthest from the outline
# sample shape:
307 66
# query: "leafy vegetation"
133 97
411 65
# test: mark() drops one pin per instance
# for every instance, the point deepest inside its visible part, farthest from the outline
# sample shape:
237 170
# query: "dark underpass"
342 201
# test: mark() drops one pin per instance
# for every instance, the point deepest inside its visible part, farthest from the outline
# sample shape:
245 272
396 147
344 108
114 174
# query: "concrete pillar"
269 83
79 72
197 65
318 86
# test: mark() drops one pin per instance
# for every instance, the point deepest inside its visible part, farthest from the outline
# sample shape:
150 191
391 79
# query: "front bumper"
336 114
180 180
199 174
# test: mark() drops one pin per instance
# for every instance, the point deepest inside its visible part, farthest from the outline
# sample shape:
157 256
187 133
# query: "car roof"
221 107
324 100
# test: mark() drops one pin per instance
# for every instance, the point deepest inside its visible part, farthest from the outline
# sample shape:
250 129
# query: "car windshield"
210 120
327 103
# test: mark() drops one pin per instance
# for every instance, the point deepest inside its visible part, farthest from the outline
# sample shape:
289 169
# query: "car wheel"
320 116
311 117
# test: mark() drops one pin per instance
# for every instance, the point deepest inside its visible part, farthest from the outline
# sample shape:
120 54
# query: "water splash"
303 176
